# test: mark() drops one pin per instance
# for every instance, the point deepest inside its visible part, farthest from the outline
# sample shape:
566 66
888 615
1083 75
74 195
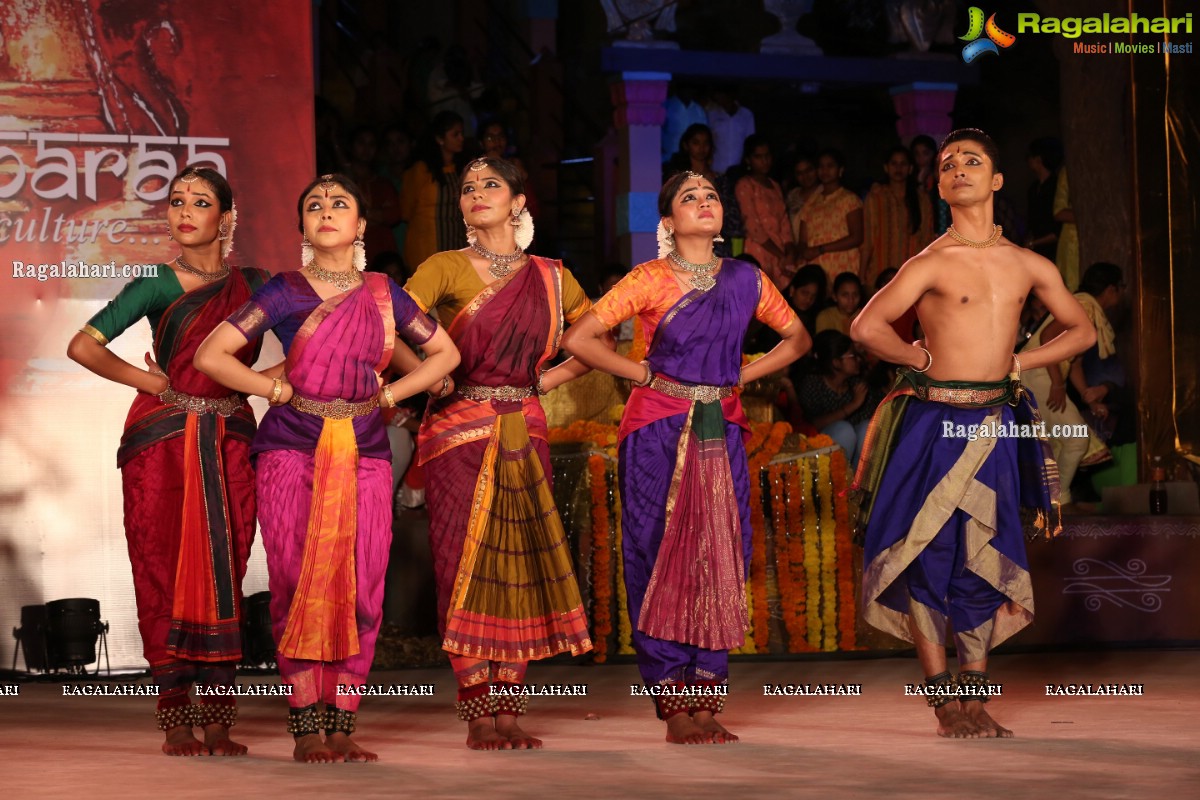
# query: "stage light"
258 643
31 639
73 627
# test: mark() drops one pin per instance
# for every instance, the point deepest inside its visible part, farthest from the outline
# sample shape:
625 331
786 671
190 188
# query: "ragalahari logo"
976 27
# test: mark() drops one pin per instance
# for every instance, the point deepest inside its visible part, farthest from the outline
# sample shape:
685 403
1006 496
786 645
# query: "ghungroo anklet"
339 720
304 721
174 717
973 685
668 705
513 704
940 690
478 707
213 714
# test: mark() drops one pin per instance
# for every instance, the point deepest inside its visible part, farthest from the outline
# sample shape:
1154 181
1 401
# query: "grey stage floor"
881 744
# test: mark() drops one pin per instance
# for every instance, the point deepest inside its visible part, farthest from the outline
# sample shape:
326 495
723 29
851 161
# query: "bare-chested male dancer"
944 516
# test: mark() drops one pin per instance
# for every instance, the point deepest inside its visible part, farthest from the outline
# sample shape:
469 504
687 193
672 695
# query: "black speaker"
72 628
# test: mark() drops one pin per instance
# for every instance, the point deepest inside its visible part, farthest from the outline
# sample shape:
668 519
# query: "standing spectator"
847 302
924 150
684 112
831 222
897 218
397 158
768 231
730 123
1067 254
381 201
804 175
1044 159
429 198
493 138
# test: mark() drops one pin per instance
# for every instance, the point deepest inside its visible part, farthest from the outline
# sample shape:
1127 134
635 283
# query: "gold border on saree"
503 393
338 409
224 406
684 391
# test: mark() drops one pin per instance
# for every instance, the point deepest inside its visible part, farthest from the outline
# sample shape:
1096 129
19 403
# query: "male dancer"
943 517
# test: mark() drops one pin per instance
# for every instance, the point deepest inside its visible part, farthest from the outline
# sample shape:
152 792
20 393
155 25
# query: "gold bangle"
277 393
541 390
1016 373
649 376
928 355
445 389
387 396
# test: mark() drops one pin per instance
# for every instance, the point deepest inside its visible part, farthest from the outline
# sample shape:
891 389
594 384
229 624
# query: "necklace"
997 230
344 281
701 277
500 265
207 277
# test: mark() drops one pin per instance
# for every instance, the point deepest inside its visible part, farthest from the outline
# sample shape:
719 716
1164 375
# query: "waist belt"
486 393
690 391
338 409
980 395
225 406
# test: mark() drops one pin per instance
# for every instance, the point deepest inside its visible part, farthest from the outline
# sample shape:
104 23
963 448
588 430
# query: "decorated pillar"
638 115
924 108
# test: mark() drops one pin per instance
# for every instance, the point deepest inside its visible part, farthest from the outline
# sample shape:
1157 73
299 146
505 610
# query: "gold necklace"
344 281
997 231
701 277
499 265
207 277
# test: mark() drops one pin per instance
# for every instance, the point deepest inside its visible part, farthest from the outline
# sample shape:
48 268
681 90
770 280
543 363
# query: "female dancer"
685 490
322 456
506 587
185 464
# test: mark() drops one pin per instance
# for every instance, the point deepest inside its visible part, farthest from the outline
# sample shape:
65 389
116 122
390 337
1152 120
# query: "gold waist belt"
486 393
225 406
979 397
686 391
338 409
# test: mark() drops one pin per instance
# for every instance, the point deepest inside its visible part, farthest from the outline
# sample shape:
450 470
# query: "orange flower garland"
771 442
811 545
795 529
828 557
847 597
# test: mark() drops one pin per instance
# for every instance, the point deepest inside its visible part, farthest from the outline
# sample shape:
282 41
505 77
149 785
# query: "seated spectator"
835 399
847 299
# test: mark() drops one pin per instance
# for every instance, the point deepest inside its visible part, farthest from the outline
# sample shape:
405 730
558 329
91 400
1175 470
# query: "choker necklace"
207 277
701 277
342 280
997 230
500 266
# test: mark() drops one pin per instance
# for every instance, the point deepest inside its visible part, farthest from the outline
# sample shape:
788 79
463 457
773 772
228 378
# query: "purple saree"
324 482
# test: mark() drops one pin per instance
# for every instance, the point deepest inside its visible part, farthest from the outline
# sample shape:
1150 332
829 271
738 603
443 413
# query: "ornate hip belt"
338 409
975 397
224 406
689 391
486 393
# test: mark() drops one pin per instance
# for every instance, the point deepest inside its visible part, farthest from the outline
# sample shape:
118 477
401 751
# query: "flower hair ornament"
666 240
225 232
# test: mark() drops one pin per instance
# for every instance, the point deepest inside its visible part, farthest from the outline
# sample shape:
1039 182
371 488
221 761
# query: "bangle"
273 400
445 390
388 400
541 390
649 376
928 364
1016 373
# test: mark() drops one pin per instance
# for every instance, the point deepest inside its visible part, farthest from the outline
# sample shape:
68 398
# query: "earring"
516 217
471 237
718 239
227 234
524 232
222 231
170 235
360 254
306 251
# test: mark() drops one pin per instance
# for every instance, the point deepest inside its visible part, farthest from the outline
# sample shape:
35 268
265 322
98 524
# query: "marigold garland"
811 543
847 605
795 528
828 557
782 541
768 446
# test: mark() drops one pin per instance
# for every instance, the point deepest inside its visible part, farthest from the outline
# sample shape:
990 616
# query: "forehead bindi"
483 177
964 148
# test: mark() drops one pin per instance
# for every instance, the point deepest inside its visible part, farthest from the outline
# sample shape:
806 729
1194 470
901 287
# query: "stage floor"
880 744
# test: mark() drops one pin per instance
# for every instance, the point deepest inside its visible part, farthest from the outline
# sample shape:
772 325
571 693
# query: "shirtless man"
942 500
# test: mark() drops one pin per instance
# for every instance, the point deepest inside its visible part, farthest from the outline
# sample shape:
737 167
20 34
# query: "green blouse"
141 297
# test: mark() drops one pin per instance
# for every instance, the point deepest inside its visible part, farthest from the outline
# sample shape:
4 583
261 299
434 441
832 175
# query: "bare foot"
181 742
506 725
982 720
954 724
681 729
482 735
218 743
311 750
344 746
708 723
